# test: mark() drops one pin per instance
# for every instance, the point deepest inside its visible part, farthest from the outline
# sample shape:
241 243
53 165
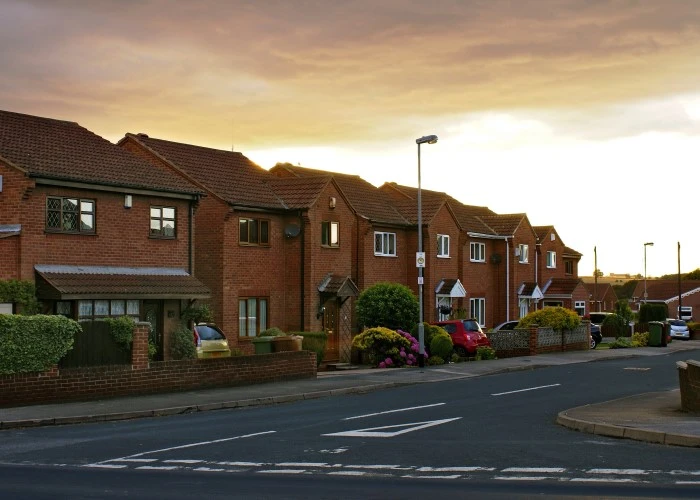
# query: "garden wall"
142 377
535 340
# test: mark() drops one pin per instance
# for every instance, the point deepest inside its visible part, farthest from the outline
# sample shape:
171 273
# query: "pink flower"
382 365
402 353
409 362
388 362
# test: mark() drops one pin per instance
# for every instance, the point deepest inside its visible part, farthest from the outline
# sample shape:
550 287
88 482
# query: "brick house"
101 232
602 297
274 251
570 293
666 292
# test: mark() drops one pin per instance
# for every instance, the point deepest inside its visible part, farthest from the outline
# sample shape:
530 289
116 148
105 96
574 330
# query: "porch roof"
341 286
103 282
451 287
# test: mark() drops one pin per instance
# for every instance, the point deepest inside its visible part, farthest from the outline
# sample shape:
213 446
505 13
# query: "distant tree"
598 273
625 290
693 275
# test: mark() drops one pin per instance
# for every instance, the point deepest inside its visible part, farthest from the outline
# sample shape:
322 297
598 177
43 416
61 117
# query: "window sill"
385 255
162 237
477 261
443 256
72 233
330 246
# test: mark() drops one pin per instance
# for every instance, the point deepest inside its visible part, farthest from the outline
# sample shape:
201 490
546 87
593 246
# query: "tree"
598 273
390 305
693 275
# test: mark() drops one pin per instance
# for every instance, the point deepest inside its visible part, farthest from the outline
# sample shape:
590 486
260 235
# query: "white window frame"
477 251
523 250
551 259
580 307
330 234
477 310
443 246
387 244
524 307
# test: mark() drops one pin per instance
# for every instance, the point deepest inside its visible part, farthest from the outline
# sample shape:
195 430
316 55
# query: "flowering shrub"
640 339
388 348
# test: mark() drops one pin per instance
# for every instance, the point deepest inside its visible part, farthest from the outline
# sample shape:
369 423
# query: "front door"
331 327
153 313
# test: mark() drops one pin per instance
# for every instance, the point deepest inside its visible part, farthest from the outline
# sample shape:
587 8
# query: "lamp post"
649 244
420 256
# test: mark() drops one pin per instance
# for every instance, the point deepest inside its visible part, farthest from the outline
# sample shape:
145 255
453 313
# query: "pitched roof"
602 290
98 282
342 286
560 287
570 252
298 193
665 289
364 198
542 231
504 224
229 175
63 150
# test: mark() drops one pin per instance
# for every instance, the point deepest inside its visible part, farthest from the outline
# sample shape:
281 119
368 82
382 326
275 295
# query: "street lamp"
649 244
420 256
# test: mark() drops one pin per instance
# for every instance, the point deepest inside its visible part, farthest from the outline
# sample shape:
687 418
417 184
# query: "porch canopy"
451 287
530 291
56 282
340 286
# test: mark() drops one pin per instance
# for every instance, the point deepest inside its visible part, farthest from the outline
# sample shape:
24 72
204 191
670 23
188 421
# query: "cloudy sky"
584 114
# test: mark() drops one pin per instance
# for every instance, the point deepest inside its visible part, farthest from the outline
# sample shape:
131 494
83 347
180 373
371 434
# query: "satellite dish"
291 230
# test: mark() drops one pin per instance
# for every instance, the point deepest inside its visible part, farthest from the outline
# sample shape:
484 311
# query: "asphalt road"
493 435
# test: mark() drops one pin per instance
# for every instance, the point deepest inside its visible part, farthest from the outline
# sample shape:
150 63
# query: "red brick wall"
521 272
9 258
376 269
544 273
121 237
82 384
438 268
480 278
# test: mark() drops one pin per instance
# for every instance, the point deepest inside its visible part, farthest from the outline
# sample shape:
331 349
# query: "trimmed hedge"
22 292
388 305
182 346
314 341
558 318
34 343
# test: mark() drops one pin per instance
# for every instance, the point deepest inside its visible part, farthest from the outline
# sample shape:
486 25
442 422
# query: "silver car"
678 329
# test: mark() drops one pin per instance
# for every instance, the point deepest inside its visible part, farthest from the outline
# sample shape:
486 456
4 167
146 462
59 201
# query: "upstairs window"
569 267
385 244
522 252
552 259
477 252
70 215
443 245
163 222
254 232
329 234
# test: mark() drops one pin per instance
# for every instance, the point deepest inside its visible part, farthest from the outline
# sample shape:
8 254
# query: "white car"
678 329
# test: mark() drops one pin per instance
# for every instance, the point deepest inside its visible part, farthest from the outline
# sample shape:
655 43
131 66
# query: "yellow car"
210 342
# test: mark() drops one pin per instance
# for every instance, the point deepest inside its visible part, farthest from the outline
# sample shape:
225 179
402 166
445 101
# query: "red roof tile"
664 289
560 287
63 150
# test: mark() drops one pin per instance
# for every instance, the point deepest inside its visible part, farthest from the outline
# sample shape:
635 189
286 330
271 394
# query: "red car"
466 335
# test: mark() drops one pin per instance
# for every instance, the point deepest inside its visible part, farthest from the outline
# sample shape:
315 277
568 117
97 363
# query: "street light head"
427 139
650 244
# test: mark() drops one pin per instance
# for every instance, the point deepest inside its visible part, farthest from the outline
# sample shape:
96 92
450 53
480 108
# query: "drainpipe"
507 280
190 239
301 269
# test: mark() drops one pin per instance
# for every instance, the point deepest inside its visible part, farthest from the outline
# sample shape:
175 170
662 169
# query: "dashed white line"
629 472
454 469
282 471
522 478
541 470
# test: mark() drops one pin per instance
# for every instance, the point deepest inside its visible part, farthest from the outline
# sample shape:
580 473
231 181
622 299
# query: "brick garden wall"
535 340
82 384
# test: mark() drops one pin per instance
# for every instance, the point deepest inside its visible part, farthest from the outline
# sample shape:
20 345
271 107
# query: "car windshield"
471 325
209 333
676 322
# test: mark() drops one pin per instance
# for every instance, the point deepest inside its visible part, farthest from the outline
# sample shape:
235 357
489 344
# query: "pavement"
652 417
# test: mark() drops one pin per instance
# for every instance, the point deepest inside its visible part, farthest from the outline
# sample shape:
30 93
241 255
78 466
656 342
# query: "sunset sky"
584 114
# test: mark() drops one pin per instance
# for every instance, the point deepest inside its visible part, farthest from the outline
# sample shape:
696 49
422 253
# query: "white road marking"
376 431
336 451
525 390
136 460
686 472
394 411
630 472
157 467
541 470
207 469
347 473
283 471
687 482
522 478
201 443
302 464
601 480
189 462
413 476
454 469
377 467
105 466
241 464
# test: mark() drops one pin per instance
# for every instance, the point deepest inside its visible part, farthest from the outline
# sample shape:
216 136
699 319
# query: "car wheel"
461 351
594 344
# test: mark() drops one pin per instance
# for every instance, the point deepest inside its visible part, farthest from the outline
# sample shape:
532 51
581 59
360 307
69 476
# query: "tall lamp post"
649 244
420 256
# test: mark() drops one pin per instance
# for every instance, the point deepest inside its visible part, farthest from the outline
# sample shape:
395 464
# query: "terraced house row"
146 226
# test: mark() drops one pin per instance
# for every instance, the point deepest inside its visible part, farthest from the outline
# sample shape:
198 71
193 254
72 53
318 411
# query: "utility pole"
595 278
680 298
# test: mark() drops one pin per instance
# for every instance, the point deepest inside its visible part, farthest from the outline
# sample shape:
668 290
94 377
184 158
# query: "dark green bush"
182 344
22 293
621 343
435 360
485 353
389 305
652 312
122 330
441 345
314 341
429 331
614 326
197 314
272 332
34 343
557 318
382 344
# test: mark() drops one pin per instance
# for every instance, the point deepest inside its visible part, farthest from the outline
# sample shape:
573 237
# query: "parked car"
596 336
210 341
466 335
678 329
597 318
507 325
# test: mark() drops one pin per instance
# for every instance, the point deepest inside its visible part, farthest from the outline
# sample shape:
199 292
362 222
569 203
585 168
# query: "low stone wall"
689 382
82 384
536 340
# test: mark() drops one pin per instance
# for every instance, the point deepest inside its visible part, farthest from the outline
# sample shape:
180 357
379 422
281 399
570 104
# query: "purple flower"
388 362
402 353
382 365
409 362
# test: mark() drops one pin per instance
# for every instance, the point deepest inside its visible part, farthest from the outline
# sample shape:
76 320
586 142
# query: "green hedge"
20 292
182 345
314 341
557 318
34 343
652 312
